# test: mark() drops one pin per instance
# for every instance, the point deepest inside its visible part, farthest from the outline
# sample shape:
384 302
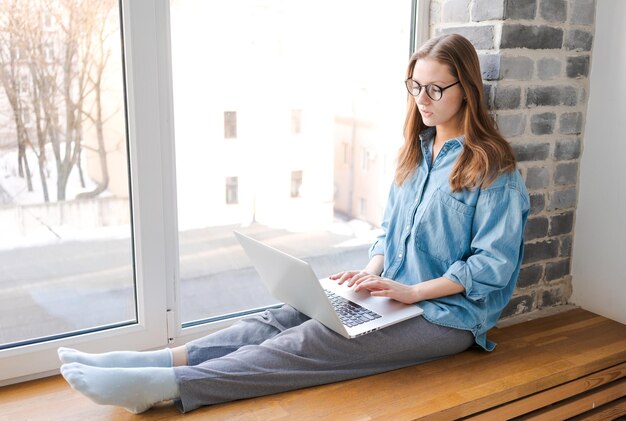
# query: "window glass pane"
314 84
65 248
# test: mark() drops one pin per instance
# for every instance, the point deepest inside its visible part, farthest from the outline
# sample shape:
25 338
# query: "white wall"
599 257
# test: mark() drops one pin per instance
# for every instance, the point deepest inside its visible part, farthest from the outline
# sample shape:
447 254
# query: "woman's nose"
422 98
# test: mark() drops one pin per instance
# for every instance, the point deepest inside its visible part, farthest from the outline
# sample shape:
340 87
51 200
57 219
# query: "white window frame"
146 28
154 231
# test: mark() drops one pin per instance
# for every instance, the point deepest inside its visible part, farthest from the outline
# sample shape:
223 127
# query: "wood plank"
553 395
580 404
610 411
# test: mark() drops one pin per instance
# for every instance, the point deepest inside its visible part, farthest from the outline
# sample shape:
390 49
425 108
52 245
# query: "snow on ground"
15 187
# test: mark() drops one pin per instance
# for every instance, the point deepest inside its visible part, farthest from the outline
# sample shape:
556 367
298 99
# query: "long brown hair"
486 153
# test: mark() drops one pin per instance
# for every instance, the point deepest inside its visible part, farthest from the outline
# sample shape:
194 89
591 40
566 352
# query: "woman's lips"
426 113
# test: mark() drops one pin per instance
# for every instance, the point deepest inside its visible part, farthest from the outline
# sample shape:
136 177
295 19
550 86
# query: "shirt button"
399 254
408 227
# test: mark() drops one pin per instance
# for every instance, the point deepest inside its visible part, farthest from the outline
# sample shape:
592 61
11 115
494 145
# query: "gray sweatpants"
282 349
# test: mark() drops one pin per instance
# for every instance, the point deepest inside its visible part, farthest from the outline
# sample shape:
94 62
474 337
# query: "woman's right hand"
350 277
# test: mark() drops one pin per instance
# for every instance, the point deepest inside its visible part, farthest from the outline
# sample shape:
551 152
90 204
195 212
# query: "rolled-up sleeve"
497 243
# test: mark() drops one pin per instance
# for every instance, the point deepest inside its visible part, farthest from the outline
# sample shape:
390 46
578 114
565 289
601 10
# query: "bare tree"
99 59
64 49
11 50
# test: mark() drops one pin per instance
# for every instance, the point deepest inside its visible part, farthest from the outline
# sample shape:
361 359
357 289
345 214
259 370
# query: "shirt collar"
427 136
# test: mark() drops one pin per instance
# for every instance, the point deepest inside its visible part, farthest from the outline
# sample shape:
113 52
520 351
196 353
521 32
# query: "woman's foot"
121 359
134 389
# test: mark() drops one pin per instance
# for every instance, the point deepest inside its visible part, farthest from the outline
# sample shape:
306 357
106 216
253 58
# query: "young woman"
452 242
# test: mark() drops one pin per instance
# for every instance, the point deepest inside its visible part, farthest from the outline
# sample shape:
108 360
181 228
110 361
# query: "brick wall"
535 57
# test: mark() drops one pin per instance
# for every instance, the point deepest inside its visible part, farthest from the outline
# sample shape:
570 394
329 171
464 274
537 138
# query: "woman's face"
444 113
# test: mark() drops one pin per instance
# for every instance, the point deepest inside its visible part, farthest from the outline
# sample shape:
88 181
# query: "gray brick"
507 97
542 123
487 99
456 11
582 11
578 40
518 305
567 149
566 246
566 174
542 250
553 10
537 178
531 151
516 68
490 66
520 9
537 203
577 67
548 68
511 125
551 95
529 276
536 228
582 96
562 199
561 224
480 36
530 36
487 10
571 123
557 270
552 298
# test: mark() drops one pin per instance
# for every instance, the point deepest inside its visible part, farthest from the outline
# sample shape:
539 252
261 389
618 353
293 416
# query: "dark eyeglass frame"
409 87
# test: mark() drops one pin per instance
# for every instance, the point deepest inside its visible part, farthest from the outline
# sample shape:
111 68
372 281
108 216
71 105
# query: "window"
232 190
170 275
365 160
70 212
230 124
25 116
16 53
350 89
48 52
73 269
24 84
296 121
296 183
47 20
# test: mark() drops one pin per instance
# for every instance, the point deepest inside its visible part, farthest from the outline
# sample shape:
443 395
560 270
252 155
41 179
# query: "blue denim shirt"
472 237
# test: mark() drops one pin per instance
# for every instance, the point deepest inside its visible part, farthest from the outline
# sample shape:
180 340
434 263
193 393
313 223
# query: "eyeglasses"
434 92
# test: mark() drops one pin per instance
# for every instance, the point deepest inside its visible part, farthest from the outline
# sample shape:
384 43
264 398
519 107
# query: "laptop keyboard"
350 313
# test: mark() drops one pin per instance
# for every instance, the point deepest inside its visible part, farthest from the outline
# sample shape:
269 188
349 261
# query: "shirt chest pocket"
444 231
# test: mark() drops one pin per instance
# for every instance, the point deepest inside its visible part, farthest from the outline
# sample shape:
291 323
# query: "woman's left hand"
383 287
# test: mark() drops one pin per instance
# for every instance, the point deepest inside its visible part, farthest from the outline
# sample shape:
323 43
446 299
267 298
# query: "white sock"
120 359
134 389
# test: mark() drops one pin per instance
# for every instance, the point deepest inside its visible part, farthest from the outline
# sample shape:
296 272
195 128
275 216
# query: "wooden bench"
551 368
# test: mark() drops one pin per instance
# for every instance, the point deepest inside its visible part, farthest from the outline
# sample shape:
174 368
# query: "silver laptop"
338 307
